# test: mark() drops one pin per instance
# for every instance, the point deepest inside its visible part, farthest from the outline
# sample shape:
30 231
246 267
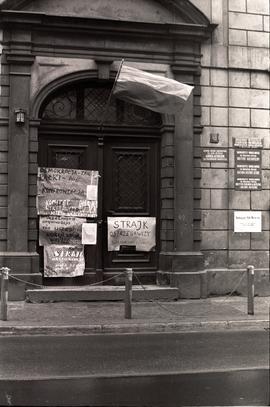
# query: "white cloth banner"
63 261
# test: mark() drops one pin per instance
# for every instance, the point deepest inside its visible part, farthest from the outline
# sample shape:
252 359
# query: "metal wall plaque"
215 154
244 142
248 169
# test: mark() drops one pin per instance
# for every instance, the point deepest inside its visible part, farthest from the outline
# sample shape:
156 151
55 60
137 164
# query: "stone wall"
235 102
4 92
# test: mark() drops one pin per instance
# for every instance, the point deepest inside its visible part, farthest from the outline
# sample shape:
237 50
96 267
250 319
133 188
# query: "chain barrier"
181 315
44 286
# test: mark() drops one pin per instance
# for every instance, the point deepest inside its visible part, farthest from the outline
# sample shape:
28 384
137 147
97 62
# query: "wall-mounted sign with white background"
247 221
139 232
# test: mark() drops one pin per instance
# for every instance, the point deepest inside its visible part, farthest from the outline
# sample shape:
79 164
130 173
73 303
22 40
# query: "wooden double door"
128 186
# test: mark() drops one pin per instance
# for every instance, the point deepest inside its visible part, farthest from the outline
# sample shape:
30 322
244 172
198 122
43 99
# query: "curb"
170 327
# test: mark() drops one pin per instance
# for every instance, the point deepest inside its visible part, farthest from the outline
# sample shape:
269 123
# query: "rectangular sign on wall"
247 221
139 232
248 169
89 233
215 155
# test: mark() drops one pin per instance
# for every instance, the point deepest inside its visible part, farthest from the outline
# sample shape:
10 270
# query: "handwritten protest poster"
63 261
127 231
60 230
67 192
66 207
89 233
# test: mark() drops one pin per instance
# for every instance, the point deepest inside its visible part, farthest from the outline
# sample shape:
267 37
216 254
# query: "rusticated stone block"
260 118
246 21
260 200
214 219
258 6
260 241
243 258
239 200
214 178
219 199
239 241
237 5
214 240
239 117
258 39
237 37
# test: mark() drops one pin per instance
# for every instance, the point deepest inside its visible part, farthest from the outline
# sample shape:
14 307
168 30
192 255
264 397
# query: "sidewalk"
64 318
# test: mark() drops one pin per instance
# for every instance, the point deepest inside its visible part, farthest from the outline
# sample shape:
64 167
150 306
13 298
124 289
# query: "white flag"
151 91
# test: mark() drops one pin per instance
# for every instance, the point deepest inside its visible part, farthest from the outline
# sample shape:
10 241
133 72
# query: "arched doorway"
125 151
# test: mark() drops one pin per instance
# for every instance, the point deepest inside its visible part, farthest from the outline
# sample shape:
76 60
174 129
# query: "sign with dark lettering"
66 207
247 221
67 192
126 231
215 154
248 169
63 261
60 230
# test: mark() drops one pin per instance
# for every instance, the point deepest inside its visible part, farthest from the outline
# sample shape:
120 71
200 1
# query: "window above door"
86 102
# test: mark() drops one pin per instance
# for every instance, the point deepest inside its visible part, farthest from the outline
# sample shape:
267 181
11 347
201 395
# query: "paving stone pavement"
155 316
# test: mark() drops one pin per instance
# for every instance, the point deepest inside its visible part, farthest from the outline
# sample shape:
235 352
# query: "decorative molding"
19 59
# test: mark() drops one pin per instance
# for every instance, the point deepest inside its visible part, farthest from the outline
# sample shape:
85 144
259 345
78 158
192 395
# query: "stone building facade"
235 103
59 53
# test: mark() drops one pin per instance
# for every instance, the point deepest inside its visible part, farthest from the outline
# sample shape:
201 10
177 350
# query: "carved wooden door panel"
62 151
128 168
130 189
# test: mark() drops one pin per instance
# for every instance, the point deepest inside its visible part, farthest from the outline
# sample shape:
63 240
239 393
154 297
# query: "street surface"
203 368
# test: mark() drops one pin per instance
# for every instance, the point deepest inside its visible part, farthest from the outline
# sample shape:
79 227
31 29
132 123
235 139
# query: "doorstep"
100 293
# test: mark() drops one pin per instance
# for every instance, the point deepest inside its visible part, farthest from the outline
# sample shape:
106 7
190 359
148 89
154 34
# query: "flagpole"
110 96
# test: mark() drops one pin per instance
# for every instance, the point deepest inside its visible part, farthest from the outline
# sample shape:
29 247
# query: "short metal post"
128 293
4 292
250 289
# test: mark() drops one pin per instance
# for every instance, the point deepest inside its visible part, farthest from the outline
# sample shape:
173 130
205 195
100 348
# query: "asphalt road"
136 369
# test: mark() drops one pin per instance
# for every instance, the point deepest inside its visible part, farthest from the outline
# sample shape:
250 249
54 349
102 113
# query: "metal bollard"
4 292
250 289
128 292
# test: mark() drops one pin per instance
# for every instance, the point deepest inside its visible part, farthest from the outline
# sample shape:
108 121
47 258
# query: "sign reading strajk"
63 261
139 232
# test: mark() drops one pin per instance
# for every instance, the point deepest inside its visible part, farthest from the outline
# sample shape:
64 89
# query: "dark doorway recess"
126 152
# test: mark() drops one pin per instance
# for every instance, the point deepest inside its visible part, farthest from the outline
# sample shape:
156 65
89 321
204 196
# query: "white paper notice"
247 221
92 192
89 233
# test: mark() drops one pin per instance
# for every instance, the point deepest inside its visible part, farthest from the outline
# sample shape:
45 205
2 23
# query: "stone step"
100 293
